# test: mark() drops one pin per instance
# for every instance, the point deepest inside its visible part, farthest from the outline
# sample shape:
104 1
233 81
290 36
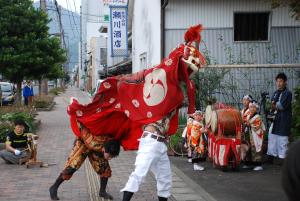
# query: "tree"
53 56
26 48
294 6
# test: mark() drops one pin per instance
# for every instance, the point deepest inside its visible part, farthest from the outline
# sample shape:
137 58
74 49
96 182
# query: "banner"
118 31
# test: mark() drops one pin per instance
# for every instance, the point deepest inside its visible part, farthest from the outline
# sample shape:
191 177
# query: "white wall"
95 52
92 18
146 33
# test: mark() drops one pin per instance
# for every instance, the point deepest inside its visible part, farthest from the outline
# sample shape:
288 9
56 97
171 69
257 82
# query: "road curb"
203 195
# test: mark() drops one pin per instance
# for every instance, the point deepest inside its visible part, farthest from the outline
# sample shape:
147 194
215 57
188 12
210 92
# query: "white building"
95 49
117 64
235 32
272 35
146 34
91 19
97 59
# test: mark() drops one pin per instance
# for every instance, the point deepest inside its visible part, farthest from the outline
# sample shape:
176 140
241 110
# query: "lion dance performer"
141 111
99 149
152 152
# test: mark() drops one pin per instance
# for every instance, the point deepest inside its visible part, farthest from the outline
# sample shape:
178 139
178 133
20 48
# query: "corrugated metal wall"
284 46
181 14
217 17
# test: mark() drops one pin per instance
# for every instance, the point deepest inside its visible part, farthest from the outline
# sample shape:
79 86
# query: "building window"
251 26
143 60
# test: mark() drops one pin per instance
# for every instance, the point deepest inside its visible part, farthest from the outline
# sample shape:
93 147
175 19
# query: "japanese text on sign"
119 30
115 2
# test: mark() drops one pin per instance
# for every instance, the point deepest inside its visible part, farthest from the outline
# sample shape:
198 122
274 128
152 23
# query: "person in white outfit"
152 155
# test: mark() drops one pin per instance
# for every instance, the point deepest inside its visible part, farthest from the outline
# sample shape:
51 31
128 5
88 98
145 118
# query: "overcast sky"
69 4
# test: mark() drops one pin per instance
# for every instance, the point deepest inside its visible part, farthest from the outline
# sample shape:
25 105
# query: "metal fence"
240 80
232 82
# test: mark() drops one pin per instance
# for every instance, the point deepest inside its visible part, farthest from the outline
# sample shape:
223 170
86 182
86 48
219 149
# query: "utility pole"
80 70
43 84
62 39
43 5
62 36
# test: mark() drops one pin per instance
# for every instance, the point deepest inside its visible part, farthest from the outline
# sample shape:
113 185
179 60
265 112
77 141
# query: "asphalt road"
245 185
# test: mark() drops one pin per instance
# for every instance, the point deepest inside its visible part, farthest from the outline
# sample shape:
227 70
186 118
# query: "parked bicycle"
177 143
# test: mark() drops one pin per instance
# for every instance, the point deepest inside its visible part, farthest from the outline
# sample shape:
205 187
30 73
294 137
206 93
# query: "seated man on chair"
16 144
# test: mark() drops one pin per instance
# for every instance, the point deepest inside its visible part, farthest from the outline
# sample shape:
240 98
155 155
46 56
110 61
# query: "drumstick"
25 150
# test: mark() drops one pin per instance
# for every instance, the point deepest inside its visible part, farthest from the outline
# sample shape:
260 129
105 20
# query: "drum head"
207 117
214 121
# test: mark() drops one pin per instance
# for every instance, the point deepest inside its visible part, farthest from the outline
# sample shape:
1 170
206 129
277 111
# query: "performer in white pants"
152 155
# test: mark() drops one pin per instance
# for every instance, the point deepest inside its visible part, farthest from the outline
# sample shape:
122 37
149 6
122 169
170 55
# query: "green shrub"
9 114
43 101
57 90
182 120
296 115
5 127
177 136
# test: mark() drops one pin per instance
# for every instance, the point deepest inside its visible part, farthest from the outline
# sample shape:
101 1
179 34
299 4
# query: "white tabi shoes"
198 167
258 168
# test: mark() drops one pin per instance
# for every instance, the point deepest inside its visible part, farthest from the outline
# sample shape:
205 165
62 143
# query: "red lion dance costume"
123 104
143 106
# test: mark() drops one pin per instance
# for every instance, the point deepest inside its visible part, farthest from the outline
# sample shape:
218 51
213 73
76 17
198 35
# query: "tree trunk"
40 87
45 86
19 93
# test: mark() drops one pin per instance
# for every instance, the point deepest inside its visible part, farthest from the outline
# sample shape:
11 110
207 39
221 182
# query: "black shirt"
16 141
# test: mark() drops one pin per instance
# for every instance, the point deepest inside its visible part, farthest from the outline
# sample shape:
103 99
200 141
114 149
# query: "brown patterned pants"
79 153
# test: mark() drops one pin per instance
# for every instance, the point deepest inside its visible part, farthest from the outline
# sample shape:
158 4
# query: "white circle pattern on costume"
135 103
111 100
169 62
106 85
149 114
79 113
155 87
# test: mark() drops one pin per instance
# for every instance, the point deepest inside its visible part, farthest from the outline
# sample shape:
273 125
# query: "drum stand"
32 146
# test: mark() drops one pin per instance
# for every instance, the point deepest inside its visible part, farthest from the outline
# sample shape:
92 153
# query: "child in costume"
245 112
198 141
189 126
257 130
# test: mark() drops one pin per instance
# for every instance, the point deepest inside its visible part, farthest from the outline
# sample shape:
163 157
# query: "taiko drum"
226 122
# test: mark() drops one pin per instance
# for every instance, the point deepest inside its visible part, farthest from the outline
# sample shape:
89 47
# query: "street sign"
118 31
106 18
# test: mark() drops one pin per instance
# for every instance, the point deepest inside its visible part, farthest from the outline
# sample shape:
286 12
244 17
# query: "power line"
73 16
86 14
91 21
75 6
60 24
69 17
